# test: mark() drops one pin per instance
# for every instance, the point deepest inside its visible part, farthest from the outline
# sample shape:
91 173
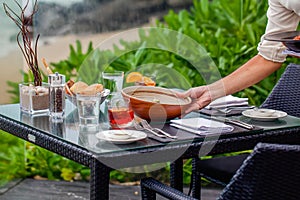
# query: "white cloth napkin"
201 125
227 101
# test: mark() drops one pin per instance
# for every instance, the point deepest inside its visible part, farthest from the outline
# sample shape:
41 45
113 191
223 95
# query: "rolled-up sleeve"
283 15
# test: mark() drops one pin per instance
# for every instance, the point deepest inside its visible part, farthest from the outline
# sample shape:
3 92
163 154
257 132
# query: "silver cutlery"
229 109
138 127
147 126
234 121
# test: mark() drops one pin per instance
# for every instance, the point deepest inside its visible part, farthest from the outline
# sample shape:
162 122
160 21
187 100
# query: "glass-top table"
68 139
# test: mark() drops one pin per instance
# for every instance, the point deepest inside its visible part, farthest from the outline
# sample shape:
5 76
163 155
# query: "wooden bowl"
155 103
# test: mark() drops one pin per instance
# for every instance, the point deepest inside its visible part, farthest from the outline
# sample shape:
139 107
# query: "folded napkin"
201 125
227 101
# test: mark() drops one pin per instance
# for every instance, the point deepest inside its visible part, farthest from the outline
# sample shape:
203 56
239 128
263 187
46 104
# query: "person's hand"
200 98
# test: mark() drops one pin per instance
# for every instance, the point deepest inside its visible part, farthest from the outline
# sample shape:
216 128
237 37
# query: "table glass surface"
69 131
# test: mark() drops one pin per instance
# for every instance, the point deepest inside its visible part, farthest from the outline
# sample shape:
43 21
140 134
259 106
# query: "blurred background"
61 23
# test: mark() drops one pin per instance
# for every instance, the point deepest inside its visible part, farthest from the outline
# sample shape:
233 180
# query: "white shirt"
283 16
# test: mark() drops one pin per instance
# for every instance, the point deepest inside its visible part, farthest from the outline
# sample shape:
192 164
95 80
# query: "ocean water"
8 30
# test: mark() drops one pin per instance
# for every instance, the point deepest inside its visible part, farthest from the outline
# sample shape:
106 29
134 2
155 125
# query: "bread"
92 89
78 87
70 83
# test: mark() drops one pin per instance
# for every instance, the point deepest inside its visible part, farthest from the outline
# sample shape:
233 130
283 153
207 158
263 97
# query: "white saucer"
251 113
134 136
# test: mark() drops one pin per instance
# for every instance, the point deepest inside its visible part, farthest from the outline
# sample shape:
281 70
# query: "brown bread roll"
92 89
78 87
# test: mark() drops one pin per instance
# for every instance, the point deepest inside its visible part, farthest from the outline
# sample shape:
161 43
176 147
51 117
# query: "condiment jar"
57 126
57 95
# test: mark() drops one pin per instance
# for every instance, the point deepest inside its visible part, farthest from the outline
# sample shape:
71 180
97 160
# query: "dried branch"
25 39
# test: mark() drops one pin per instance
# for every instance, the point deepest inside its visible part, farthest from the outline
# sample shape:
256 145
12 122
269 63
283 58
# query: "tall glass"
88 109
113 81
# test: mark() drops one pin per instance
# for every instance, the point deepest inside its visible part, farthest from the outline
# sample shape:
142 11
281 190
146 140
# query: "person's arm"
247 75
283 15
255 70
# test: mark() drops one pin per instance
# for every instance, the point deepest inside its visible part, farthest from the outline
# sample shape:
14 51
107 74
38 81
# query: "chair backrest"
271 172
285 95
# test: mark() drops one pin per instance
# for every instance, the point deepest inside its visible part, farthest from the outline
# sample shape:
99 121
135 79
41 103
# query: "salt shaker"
57 95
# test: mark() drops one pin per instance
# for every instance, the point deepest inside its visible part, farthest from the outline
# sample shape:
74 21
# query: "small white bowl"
263 112
118 134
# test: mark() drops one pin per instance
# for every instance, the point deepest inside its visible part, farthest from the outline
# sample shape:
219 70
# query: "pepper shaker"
57 95
57 127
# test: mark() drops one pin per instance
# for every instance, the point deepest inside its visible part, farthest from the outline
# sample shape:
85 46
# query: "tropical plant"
12 158
25 40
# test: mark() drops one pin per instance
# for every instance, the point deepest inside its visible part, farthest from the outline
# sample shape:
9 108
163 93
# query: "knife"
234 121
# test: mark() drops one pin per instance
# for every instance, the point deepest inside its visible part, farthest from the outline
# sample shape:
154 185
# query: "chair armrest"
150 186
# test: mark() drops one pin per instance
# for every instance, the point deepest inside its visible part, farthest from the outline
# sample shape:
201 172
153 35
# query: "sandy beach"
10 70
55 49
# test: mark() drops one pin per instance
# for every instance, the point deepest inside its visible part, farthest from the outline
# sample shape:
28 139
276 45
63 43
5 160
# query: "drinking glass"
88 109
120 113
113 81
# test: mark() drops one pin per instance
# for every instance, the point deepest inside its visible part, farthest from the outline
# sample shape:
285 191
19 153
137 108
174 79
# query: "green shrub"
12 158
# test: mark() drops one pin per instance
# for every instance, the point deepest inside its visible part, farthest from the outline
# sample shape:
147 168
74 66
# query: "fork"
147 126
138 127
229 109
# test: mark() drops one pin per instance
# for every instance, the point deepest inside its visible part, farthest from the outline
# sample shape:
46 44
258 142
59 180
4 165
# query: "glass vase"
34 99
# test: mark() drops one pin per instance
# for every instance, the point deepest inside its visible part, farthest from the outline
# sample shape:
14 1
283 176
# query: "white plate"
252 114
134 136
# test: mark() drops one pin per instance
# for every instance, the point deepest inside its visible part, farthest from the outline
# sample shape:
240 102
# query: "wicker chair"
285 96
270 172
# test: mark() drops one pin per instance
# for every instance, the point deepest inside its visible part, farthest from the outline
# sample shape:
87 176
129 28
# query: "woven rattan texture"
271 172
175 169
99 183
150 187
46 141
285 95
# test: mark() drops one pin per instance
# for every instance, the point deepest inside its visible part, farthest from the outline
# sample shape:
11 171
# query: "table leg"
176 174
196 179
99 182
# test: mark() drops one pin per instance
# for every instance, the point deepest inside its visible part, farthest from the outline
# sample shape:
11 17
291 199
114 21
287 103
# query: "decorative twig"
46 66
26 44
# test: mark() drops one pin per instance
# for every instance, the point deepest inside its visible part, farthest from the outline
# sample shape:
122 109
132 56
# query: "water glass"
120 113
88 109
113 81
